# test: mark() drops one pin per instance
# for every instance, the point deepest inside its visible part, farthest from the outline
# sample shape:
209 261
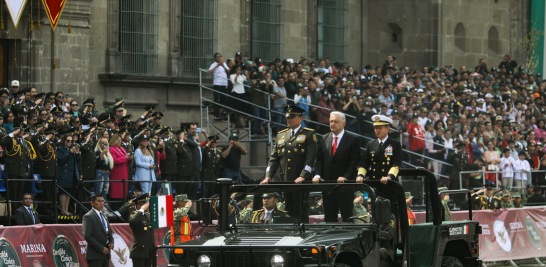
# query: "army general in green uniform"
143 233
294 153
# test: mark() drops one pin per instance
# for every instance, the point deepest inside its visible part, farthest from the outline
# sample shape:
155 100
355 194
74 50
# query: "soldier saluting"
294 152
383 156
487 202
143 233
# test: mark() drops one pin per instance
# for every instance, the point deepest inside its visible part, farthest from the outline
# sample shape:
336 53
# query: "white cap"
290 60
260 69
15 83
381 120
488 95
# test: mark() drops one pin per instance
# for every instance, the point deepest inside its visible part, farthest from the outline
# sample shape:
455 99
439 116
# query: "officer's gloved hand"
383 235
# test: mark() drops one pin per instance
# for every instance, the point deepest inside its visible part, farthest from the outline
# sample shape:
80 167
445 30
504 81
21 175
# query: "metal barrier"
484 172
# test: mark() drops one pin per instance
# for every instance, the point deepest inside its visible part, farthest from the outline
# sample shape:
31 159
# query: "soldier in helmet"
506 201
516 200
269 212
143 233
181 230
358 208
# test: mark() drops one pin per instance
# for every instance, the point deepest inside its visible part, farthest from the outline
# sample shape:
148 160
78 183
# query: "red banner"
64 245
54 9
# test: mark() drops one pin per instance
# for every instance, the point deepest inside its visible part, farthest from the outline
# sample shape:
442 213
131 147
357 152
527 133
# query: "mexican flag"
161 211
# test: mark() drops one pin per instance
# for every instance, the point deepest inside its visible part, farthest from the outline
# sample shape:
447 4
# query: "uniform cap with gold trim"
379 120
292 111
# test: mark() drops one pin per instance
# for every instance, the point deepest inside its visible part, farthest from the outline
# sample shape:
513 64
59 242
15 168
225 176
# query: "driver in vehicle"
270 211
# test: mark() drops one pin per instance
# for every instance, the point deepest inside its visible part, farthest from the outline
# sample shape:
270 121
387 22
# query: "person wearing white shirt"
238 92
522 170
507 168
219 69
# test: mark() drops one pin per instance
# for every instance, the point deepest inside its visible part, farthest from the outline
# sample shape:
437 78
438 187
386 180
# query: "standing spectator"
508 63
522 170
492 161
8 122
540 131
145 164
258 99
238 93
278 104
323 113
103 166
302 100
220 71
507 168
232 158
195 149
291 87
120 170
437 151
69 157
416 141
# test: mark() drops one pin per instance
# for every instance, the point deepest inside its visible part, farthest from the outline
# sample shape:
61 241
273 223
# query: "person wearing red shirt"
416 140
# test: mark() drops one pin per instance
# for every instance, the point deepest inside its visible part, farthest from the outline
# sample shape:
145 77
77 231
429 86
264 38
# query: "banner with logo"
63 245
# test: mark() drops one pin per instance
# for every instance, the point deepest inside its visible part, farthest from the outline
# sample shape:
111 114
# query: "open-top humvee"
354 243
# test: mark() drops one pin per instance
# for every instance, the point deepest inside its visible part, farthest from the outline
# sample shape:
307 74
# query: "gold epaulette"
308 129
284 130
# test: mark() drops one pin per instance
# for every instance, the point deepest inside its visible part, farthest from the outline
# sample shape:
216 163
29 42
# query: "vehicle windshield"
296 204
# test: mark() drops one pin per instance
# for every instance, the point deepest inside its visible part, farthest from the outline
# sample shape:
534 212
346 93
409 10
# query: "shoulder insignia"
285 130
497 198
283 211
309 129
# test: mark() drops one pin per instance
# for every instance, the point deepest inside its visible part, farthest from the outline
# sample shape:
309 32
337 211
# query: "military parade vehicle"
357 242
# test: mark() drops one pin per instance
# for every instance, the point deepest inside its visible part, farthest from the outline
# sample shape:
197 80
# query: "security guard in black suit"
383 156
184 163
168 166
211 165
143 233
294 152
16 159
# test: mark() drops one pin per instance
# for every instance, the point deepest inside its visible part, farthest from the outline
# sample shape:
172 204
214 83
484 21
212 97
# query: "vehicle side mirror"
382 211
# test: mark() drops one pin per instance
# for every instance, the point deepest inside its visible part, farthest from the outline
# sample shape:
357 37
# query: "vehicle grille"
254 241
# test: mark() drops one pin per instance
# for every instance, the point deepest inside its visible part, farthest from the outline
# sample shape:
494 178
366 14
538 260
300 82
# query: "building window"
460 33
138 37
267 29
394 37
332 30
493 41
199 36
390 38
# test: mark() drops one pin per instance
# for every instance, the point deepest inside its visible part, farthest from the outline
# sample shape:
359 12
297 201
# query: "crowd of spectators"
434 109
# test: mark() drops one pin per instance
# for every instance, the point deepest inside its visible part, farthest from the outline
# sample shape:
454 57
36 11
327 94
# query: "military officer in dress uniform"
269 212
143 233
87 148
487 202
459 160
17 165
211 165
47 152
294 152
234 213
127 209
168 166
317 208
383 156
184 163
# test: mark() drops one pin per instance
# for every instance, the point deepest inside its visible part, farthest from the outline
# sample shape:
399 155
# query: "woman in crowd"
120 170
323 114
68 158
540 131
145 165
103 167
59 101
238 93
8 122
492 161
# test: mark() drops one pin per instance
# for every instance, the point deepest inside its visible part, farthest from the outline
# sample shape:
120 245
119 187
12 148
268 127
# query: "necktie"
267 218
31 215
335 146
103 223
291 133
380 144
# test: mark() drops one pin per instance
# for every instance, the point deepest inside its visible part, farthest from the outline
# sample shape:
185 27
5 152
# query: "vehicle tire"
449 261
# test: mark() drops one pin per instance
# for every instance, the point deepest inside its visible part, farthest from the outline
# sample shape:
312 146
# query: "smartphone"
199 130
354 97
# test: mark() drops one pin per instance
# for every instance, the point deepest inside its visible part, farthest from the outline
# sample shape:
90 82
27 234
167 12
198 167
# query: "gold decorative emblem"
145 228
377 119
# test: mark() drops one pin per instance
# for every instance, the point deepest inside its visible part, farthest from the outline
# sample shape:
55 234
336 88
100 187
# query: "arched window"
493 41
460 34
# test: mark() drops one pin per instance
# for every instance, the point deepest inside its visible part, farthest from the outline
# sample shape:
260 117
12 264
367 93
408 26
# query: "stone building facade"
88 62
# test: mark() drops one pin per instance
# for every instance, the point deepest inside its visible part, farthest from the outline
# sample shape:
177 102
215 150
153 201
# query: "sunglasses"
74 105
60 96
69 141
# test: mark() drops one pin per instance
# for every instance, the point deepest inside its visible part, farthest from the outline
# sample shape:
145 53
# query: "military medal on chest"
388 151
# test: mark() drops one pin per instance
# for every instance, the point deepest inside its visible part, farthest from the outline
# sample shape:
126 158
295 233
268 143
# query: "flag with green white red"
162 211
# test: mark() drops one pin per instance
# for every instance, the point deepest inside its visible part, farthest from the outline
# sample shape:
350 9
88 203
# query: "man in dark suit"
338 153
16 164
383 156
98 234
26 215
143 233
184 164
195 149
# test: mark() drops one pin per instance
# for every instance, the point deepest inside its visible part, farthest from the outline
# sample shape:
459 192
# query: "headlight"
277 261
203 261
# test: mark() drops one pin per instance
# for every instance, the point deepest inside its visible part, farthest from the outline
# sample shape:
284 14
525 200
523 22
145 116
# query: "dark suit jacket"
168 166
193 146
94 234
344 162
22 217
377 162
184 160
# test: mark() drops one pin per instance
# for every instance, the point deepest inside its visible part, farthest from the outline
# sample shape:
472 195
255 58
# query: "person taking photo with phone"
232 158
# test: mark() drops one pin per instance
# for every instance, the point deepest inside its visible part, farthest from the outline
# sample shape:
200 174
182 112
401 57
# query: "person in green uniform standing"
143 233
294 154
444 198
211 165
